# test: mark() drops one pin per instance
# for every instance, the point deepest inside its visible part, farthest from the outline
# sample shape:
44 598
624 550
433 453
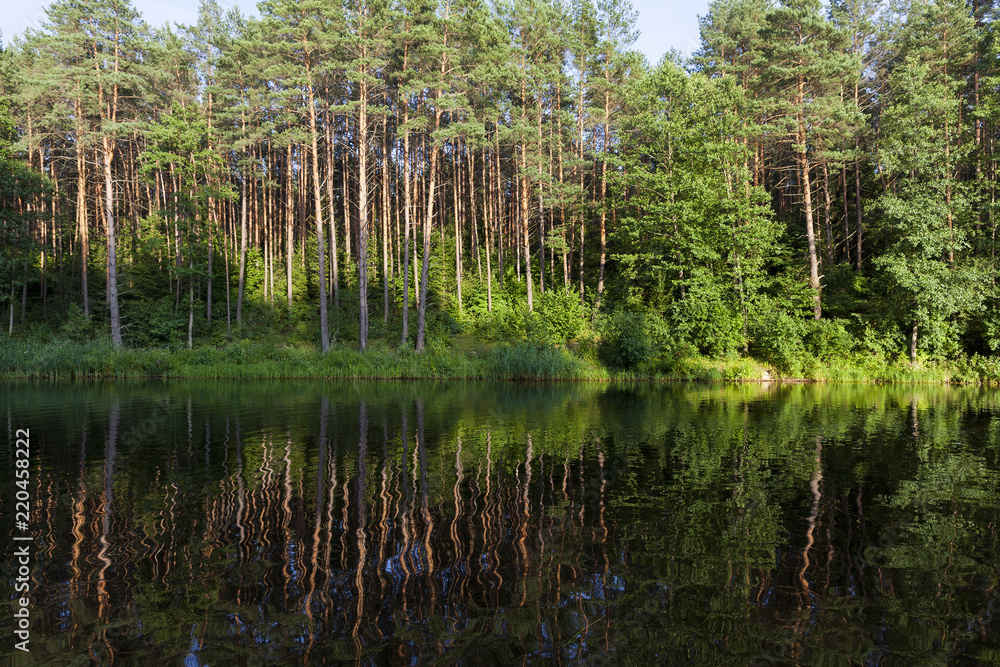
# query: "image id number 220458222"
22 539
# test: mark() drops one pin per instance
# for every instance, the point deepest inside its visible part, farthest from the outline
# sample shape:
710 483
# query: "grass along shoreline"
474 360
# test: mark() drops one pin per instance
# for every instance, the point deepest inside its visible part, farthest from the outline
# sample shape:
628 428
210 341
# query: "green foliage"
828 339
154 323
528 361
778 338
76 326
626 343
561 312
707 317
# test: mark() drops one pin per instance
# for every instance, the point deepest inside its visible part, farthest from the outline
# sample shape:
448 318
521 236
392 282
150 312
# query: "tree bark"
406 226
324 324
243 250
334 260
116 322
826 214
858 212
428 215
363 216
810 230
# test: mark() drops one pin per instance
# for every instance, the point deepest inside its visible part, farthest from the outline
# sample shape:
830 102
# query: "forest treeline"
813 183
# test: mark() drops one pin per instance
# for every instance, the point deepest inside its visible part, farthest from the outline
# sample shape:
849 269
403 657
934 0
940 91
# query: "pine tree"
928 207
303 33
801 58
440 53
363 46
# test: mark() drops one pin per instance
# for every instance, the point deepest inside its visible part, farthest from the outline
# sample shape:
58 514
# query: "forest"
813 193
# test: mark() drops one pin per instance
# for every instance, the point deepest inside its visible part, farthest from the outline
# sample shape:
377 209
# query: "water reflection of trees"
733 524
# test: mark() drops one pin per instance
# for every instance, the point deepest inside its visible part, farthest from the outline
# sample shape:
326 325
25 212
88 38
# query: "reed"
524 360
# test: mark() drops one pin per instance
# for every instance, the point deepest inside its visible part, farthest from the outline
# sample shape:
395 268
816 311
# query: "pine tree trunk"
289 226
405 334
81 220
487 221
363 217
191 302
810 230
458 236
334 259
475 242
243 250
847 227
428 215
116 322
826 215
858 212
525 245
324 324
208 286
385 222
603 193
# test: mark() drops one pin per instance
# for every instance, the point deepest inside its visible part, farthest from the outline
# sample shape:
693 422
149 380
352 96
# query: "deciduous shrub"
625 341
777 338
828 339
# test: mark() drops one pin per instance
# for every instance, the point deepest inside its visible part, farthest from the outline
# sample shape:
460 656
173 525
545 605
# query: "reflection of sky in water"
397 522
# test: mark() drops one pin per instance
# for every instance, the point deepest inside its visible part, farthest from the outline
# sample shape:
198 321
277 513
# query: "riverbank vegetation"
502 190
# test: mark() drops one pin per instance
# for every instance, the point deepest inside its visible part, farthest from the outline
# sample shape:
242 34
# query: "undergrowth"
518 360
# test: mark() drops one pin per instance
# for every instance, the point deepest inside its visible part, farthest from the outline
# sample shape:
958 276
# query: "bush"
151 324
977 369
77 326
828 339
561 313
778 338
707 317
626 343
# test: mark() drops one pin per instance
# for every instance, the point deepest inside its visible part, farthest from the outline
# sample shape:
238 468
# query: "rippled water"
399 523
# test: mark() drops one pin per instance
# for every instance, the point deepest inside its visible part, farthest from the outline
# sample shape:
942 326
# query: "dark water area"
222 523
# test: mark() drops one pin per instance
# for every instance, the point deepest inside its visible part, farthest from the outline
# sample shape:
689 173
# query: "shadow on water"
402 523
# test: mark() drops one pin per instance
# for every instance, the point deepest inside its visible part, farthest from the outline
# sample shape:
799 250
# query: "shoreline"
26 359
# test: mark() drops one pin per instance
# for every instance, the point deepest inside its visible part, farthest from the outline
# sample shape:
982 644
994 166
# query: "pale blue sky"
663 24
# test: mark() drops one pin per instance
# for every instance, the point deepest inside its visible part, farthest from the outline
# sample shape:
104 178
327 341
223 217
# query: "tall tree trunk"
858 212
208 286
191 301
363 216
603 193
346 200
81 220
229 289
826 215
458 235
810 230
334 260
116 322
428 216
525 245
487 221
243 249
541 209
385 221
406 227
289 225
324 324
847 227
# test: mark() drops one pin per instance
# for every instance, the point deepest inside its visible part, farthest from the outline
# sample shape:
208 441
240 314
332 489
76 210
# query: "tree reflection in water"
394 523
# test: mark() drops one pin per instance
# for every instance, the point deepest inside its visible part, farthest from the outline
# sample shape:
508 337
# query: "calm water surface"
404 523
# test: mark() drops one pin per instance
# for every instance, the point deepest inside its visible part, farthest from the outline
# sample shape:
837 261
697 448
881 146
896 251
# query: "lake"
402 523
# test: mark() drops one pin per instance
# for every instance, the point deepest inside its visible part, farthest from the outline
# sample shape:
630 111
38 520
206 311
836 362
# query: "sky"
663 24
